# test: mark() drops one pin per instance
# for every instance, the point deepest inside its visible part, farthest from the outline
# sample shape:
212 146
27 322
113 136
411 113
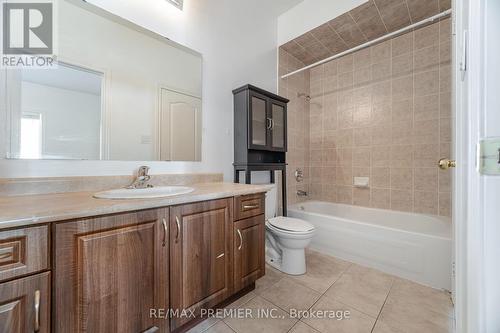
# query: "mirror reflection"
119 92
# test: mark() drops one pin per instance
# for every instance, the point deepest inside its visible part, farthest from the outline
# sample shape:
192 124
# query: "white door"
180 127
476 206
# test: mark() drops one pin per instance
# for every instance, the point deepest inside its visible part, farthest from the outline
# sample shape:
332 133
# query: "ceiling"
369 21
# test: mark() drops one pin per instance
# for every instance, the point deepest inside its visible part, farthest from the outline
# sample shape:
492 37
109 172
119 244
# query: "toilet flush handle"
241 239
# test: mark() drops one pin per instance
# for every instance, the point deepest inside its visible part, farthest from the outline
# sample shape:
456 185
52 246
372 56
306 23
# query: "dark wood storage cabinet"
260 134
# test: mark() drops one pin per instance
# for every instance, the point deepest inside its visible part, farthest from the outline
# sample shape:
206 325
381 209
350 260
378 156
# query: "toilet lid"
291 224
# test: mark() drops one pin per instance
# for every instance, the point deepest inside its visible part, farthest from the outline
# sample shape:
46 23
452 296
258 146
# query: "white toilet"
286 239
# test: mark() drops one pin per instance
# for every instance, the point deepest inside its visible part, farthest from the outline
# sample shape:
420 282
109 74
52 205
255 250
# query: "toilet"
286 239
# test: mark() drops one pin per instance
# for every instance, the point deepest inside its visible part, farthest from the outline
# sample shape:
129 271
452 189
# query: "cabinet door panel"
200 271
259 122
20 300
278 126
249 261
110 272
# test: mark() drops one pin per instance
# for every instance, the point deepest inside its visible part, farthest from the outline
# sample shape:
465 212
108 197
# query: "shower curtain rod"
375 41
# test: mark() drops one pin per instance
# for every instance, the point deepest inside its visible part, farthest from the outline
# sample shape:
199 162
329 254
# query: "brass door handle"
165 232
37 311
241 239
178 224
445 164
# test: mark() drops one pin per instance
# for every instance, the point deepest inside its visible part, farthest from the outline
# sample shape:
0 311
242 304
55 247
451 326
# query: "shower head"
305 96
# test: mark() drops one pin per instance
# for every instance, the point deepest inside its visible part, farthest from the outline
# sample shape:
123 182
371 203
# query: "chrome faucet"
142 179
301 193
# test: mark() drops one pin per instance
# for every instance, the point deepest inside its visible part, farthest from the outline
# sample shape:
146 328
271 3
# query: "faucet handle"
143 171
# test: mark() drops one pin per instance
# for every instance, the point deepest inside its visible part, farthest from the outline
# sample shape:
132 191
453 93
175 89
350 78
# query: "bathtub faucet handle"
301 193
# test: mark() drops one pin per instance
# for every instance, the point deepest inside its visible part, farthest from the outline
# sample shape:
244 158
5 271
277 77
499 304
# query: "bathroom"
287 166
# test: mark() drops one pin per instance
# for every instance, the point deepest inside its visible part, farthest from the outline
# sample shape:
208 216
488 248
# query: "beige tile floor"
377 302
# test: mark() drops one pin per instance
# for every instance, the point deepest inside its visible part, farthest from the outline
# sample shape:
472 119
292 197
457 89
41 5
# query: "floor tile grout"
382 307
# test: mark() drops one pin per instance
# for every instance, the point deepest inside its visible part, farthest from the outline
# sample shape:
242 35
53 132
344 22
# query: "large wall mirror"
119 92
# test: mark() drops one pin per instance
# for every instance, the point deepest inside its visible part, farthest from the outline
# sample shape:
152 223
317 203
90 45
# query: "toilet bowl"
286 240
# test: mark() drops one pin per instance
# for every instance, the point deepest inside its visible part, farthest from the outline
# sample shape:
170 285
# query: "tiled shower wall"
385 113
295 89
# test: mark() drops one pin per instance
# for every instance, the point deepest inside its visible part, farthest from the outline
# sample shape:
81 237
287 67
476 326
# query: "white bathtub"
412 246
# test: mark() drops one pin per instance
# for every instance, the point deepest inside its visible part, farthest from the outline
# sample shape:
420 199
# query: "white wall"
310 14
71 120
238 43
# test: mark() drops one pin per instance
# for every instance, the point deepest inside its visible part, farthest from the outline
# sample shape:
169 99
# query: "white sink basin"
144 193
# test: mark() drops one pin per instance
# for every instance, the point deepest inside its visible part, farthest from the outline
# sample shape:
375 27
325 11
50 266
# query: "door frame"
468 224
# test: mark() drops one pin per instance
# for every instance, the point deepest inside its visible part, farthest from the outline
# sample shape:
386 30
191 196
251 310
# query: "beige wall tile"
381 51
362 137
382 135
402 44
381 156
381 70
427 83
402 156
427 107
402 110
402 178
426 202
344 194
361 196
381 198
427 59
426 155
427 36
381 177
402 65
426 131
402 200
426 179
383 112
402 88
445 203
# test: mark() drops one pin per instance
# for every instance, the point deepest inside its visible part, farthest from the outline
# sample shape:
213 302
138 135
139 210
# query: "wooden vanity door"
110 272
249 248
200 256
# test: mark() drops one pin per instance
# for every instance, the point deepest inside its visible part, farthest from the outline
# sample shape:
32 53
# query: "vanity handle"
269 123
241 239
272 124
178 223
247 207
165 232
37 311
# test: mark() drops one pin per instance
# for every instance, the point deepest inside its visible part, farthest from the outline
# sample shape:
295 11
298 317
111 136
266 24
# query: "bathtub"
412 246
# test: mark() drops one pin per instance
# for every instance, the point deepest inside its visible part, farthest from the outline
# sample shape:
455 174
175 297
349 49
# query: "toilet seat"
291 225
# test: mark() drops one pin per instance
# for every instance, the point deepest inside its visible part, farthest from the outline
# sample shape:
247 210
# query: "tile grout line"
382 307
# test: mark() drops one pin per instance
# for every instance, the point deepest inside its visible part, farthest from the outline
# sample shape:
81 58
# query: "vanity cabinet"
130 272
249 240
109 272
201 241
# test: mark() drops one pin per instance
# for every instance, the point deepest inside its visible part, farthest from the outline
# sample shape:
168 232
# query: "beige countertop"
27 210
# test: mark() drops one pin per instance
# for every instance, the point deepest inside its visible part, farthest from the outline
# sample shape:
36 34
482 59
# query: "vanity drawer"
23 251
246 206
